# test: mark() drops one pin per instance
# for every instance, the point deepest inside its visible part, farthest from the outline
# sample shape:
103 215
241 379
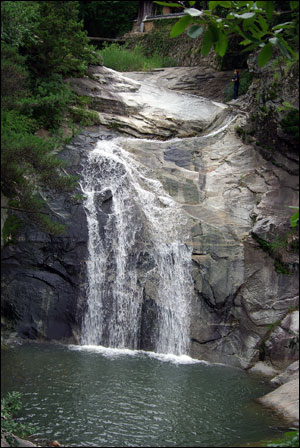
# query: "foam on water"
119 352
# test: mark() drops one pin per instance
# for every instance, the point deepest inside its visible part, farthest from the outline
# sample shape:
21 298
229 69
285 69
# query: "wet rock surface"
235 202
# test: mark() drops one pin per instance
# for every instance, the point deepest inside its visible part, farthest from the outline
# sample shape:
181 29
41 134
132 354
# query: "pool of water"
89 396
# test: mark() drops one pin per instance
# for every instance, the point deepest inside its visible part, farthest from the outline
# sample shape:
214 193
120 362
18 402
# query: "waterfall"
136 251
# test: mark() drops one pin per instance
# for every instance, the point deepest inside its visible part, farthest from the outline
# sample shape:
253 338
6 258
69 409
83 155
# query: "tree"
253 21
61 44
108 18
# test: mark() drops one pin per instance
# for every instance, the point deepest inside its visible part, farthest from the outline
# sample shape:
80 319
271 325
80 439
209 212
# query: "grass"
121 59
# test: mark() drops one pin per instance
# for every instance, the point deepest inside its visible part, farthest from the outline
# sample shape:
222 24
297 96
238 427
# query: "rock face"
43 277
285 399
236 203
146 109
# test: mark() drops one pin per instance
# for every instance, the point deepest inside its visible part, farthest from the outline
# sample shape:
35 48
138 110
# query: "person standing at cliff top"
236 80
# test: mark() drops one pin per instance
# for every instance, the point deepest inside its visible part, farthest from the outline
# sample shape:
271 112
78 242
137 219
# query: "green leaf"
250 48
180 26
269 8
265 54
294 219
248 23
221 45
282 45
243 3
263 23
283 25
245 42
226 4
193 12
294 5
215 33
284 42
195 31
192 3
174 5
213 5
207 42
261 4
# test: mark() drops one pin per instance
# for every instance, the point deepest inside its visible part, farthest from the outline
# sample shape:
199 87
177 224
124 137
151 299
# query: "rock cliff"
236 203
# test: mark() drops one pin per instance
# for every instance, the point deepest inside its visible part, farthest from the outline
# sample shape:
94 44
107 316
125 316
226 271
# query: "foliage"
10 228
28 161
83 116
10 406
245 82
18 21
108 18
294 220
290 439
49 101
14 76
248 19
61 45
290 123
42 43
118 58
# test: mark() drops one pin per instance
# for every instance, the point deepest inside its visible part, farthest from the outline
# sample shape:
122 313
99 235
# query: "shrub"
10 228
290 439
119 58
10 406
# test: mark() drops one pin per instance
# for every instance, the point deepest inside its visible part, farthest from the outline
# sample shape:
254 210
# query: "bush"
14 76
290 439
119 58
10 228
10 406
83 116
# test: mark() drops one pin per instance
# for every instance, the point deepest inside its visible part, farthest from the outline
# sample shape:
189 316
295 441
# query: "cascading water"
133 222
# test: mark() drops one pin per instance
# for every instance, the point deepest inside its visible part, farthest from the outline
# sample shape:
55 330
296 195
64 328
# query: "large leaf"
295 219
180 26
248 23
213 5
261 4
195 31
269 8
221 45
207 42
294 5
193 12
263 24
282 45
250 47
226 4
192 3
284 25
265 54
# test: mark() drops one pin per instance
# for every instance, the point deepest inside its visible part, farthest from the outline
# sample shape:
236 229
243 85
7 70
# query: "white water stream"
141 220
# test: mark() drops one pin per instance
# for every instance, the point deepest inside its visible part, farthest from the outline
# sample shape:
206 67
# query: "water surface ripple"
98 397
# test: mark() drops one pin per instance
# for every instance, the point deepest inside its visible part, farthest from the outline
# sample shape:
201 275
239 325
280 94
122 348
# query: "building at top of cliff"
148 14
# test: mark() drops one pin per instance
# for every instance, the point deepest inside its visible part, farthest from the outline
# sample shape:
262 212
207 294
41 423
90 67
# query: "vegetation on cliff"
42 44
